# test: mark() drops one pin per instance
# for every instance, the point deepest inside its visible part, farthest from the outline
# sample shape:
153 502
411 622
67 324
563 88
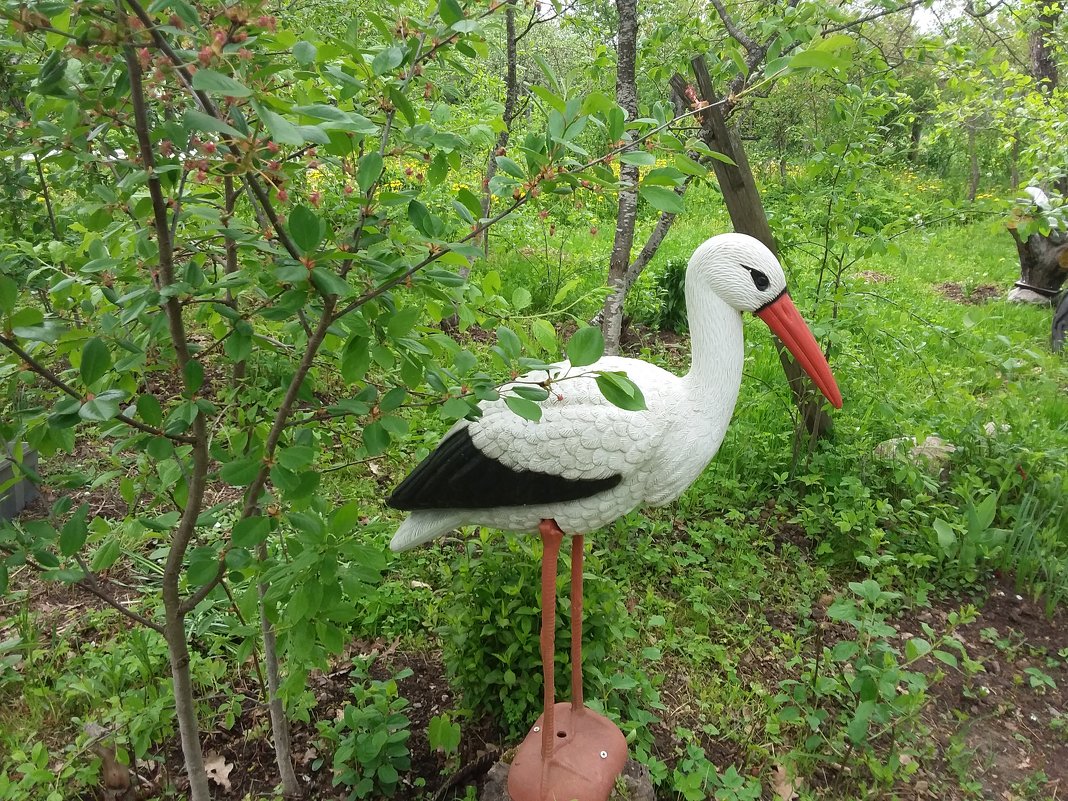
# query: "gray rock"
933 452
1019 294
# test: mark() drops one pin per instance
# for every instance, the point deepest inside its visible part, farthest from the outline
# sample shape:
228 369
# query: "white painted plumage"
658 452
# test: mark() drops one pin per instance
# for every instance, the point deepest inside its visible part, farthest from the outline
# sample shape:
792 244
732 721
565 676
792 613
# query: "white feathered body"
658 452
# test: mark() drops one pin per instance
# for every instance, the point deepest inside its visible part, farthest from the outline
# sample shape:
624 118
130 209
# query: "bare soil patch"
872 277
975 296
1010 721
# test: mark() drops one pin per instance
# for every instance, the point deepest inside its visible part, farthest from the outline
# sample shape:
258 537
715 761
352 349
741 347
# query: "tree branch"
60 384
92 585
736 33
209 108
252 494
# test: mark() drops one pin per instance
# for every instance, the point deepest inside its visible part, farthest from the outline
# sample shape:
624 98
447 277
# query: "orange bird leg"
551 536
578 543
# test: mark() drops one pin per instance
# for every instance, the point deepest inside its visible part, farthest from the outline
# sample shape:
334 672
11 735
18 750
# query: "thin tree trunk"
231 267
1041 46
511 97
914 140
1014 165
174 624
1042 51
973 162
652 244
627 97
283 751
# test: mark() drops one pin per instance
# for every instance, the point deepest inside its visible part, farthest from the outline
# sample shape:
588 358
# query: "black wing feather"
457 475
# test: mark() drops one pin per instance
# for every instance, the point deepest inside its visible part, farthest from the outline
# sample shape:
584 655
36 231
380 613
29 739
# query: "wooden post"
747 214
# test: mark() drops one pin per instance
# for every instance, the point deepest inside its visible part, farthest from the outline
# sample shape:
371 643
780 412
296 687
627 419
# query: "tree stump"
1043 267
1060 324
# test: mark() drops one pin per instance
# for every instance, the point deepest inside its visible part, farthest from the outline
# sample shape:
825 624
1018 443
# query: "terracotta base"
589 752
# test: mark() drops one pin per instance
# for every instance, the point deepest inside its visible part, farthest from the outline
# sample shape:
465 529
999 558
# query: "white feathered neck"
717 351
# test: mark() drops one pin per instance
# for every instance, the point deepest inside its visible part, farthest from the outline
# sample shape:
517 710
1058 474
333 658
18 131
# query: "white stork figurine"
588 462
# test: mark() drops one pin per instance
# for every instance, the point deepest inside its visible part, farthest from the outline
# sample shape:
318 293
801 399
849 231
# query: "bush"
491 636
370 739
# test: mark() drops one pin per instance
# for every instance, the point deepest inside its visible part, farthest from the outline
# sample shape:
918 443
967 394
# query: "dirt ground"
1000 729
976 296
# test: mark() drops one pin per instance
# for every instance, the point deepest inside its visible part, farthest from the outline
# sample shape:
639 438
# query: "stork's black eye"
760 281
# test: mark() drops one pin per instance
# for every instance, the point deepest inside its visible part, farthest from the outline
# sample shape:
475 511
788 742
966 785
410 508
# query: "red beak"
785 320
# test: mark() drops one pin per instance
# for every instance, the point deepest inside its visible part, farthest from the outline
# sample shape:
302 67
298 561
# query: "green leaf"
470 201
858 726
203 565
555 101
820 60
717 156
402 322
368 171
241 472
106 555
844 651
149 410
9 294
250 532
216 83
72 537
103 407
282 130
455 408
400 100
198 121
638 158
443 734
662 198
439 168
520 298
336 119
531 393
355 359
194 376
915 647
420 217
296 457
387 60
945 658
306 228
304 52
375 439
543 65
450 12
527 409
585 346
544 334
509 342
689 166
509 167
96 360
947 538
984 513
621 391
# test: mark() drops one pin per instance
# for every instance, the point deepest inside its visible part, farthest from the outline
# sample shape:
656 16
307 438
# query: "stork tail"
423 526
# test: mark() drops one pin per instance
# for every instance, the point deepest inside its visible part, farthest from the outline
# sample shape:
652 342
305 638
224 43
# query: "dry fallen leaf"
782 785
218 769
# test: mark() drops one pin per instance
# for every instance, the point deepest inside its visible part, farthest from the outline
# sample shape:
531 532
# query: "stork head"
748 278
